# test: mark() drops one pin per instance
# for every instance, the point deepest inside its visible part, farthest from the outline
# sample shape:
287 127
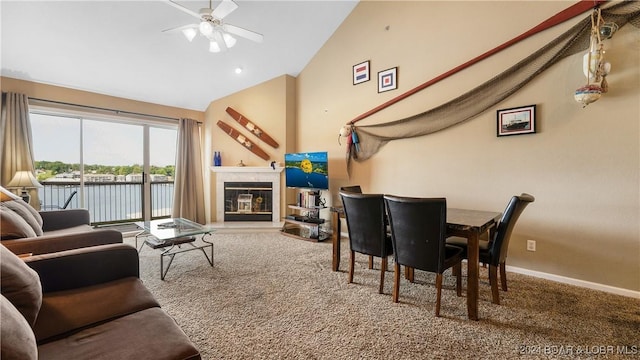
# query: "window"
102 165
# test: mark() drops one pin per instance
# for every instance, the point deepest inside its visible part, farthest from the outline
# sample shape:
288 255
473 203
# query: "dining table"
467 223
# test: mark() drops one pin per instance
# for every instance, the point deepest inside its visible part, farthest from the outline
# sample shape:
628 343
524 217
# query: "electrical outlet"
531 245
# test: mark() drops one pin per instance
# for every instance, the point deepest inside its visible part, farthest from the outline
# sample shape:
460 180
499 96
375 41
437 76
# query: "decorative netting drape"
474 102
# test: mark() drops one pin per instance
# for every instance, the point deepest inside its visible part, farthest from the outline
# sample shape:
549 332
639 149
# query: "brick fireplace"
249 193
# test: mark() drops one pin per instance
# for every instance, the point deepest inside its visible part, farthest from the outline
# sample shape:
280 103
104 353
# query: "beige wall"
271 106
79 97
582 165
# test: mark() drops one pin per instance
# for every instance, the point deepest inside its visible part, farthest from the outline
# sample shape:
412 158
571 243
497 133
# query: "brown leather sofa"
86 303
23 230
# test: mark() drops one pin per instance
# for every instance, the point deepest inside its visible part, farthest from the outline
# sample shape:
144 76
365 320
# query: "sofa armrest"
54 243
83 267
62 219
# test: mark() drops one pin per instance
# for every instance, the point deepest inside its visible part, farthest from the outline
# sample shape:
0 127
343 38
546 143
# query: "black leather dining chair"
494 251
418 235
352 188
365 215
358 190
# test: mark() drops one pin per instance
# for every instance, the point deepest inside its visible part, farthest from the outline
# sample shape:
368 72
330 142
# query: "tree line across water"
51 168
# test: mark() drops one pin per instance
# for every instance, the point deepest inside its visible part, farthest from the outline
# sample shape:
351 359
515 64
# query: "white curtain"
188 197
16 140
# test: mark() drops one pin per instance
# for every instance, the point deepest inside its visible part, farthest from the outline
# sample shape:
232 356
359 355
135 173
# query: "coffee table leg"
210 260
163 271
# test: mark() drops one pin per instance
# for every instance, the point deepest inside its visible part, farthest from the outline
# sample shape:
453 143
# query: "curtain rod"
117 112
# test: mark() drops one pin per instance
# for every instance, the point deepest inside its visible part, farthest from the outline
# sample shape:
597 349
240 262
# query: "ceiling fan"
212 26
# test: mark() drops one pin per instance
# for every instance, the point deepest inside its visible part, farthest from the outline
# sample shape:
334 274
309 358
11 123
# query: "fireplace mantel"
248 174
246 169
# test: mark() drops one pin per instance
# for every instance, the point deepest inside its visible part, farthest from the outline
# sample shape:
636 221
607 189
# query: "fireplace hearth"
248 201
249 193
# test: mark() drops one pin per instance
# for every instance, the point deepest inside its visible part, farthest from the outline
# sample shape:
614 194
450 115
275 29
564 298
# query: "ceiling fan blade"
225 8
180 28
247 34
183 9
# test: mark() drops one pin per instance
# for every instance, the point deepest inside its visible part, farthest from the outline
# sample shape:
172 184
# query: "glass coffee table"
171 235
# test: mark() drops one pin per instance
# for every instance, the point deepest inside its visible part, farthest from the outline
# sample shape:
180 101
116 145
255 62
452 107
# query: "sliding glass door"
120 170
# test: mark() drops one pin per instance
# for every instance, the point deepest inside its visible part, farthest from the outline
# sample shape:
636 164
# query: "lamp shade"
229 40
214 47
189 33
24 179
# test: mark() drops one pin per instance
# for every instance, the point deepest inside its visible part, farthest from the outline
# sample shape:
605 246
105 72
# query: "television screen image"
307 170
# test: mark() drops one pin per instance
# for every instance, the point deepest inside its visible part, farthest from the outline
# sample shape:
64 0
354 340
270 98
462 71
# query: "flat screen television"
307 170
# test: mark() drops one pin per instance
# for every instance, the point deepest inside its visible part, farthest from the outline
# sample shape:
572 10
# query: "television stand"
304 222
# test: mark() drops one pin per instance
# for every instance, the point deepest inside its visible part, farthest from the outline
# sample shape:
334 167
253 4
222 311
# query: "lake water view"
109 202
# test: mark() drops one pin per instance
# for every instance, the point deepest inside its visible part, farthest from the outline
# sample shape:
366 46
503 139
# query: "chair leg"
396 282
370 262
352 259
383 268
409 273
503 276
457 271
439 290
493 280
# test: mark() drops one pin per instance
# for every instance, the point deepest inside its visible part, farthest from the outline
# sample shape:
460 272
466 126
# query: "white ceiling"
118 48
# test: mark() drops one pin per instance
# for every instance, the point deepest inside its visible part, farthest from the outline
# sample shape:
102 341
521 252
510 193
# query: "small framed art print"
361 72
388 79
517 121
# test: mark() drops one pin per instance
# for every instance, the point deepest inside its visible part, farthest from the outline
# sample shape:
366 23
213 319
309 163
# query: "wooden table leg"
472 272
335 240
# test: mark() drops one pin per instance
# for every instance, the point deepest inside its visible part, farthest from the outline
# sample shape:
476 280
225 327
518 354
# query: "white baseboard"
567 280
576 282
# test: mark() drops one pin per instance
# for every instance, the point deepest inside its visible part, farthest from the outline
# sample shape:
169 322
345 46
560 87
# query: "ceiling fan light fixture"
214 47
206 28
189 33
229 40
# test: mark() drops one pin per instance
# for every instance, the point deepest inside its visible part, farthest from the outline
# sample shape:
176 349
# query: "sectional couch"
23 230
86 303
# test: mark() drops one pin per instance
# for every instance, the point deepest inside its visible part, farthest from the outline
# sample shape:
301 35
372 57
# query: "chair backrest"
353 189
365 215
500 244
418 231
66 203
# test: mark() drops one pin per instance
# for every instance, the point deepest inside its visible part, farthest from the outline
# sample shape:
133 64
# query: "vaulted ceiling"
118 48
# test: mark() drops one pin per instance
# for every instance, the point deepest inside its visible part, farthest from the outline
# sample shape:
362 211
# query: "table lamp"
24 180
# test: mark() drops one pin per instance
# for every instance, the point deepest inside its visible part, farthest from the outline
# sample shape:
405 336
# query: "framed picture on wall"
361 72
388 79
517 121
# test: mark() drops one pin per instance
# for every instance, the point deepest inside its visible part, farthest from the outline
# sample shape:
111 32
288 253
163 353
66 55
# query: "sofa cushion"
147 334
12 225
29 214
67 311
20 285
16 336
69 230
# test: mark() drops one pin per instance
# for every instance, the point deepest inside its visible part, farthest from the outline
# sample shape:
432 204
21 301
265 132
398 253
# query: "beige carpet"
274 297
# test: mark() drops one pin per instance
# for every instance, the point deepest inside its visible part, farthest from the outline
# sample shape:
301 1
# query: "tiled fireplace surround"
247 174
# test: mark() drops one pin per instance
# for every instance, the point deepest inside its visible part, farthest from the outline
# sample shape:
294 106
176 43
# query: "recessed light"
238 70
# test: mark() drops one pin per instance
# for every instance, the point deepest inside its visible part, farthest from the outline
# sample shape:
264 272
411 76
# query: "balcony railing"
109 202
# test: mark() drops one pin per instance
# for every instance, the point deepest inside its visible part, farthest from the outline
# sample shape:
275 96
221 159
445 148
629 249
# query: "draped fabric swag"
188 199
476 101
16 140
